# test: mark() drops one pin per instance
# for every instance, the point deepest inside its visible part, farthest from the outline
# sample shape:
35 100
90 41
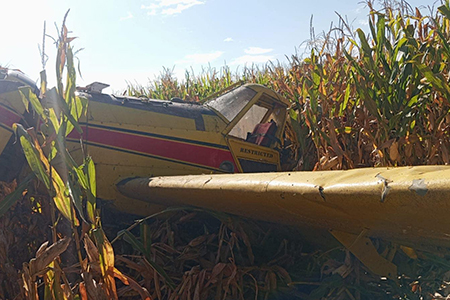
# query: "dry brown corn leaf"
47 255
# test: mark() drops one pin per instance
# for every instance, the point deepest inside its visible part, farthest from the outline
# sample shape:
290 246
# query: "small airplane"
244 128
139 145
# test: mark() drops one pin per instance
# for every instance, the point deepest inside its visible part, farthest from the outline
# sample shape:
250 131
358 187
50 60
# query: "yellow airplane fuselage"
130 137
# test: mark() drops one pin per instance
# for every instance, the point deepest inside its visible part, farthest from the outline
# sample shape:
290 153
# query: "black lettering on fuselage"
256 152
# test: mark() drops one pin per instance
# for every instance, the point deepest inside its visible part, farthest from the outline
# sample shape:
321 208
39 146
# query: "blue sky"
133 40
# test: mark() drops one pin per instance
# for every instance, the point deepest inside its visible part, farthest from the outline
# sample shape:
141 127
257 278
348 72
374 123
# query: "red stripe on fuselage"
185 152
7 117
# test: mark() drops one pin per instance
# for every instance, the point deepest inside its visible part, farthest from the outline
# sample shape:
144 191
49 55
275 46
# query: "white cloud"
166 3
200 58
257 50
129 16
151 9
170 7
151 6
252 59
228 39
179 8
363 22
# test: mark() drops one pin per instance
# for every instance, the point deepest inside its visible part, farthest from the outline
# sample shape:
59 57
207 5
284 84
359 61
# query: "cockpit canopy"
247 108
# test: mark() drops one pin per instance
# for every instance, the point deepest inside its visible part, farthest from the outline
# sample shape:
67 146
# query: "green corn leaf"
91 175
43 76
74 103
395 71
146 236
89 170
81 176
137 245
345 103
32 155
53 119
445 44
389 49
133 241
387 68
27 94
364 44
368 100
68 114
354 63
74 191
71 77
41 168
372 28
445 11
293 114
436 81
381 35
400 49
62 199
56 101
413 100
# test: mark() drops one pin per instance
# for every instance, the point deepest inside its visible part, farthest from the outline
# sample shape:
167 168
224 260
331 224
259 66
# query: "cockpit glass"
230 104
252 117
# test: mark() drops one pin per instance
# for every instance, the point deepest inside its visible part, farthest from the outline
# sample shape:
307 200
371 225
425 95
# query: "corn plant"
386 105
71 190
360 99
363 99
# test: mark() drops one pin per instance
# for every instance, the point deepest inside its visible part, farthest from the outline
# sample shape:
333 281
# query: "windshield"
230 104
251 118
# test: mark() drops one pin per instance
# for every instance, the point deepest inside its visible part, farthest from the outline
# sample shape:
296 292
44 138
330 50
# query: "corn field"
363 99
359 99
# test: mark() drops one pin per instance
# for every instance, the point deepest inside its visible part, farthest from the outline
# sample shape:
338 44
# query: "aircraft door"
251 157
251 139
254 134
